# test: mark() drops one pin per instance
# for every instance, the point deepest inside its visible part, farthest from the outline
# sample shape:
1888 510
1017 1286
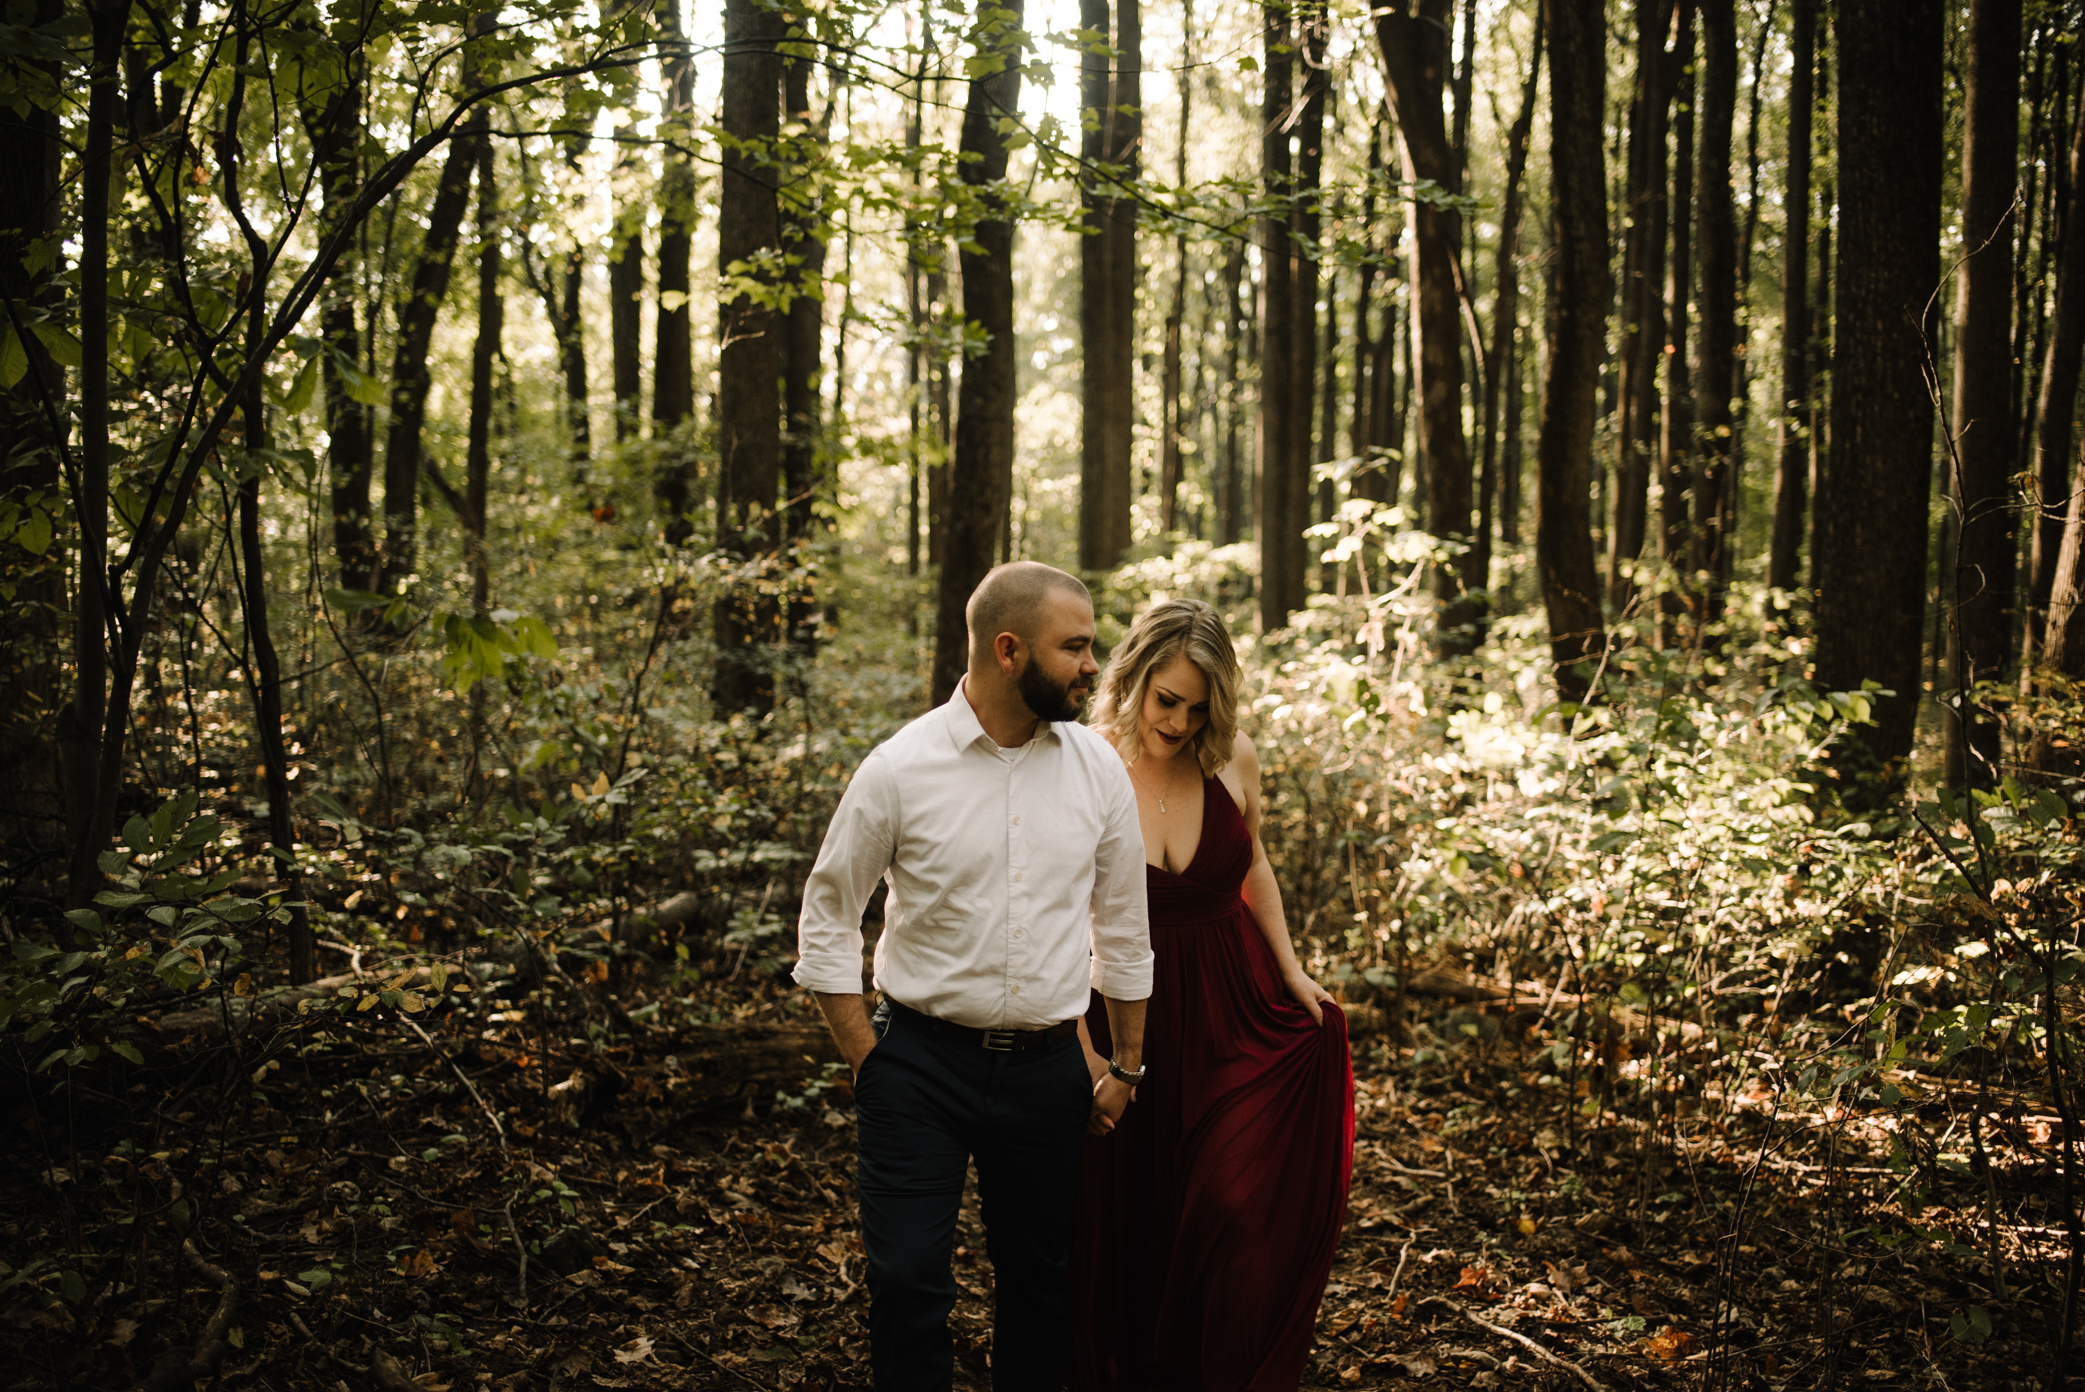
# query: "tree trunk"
1231 523
673 351
1361 432
333 122
1977 581
418 309
1174 429
1505 315
2063 645
1510 451
1303 278
1791 453
1277 530
1578 299
1821 299
803 488
1871 553
749 365
2056 401
570 322
485 352
1642 296
1111 94
1415 59
84 740
982 464
1676 441
1716 231
626 320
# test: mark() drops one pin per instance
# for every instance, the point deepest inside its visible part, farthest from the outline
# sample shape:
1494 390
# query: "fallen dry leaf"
1472 1278
636 1351
773 1316
1669 1345
419 1265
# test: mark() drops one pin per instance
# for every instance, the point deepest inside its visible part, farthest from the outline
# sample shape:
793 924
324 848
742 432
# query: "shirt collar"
965 729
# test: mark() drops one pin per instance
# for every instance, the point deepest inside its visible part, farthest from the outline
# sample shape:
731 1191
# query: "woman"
1207 1218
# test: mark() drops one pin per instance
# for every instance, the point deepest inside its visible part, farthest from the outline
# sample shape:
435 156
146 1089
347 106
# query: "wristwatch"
1123 1075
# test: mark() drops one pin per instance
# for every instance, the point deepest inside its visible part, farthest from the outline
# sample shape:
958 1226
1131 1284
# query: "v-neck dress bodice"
1208 1219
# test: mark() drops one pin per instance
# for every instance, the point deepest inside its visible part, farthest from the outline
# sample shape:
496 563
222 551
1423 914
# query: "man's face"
1057 674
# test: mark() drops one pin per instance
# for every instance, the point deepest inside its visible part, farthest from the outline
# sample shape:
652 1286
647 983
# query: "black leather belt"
1001 1041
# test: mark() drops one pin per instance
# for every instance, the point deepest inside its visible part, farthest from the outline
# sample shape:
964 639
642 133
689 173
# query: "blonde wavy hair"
1174 628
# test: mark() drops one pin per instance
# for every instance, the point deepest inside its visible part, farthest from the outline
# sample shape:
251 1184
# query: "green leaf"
179 1215
14 359
297 399
61 345
359 385
34 533
317 1278
125 1049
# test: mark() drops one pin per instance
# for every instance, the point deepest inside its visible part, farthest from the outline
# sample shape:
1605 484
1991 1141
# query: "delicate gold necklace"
1147 787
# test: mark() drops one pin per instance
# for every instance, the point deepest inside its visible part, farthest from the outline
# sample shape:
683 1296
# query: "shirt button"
1014 989
1017 877
1017 821
1020 933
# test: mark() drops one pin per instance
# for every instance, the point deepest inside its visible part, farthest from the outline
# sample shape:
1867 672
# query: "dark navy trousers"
926 1104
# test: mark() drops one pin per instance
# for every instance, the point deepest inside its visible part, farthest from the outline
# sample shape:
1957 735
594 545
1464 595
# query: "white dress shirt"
1016 875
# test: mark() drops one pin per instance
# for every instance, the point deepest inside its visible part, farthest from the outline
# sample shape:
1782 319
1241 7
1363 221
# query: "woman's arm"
1263 895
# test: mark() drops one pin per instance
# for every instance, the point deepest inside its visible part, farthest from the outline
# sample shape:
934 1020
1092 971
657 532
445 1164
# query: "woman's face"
1176 707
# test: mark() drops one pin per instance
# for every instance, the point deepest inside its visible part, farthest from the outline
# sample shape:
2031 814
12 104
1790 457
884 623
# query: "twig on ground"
699 1352
1390 1293
388 1375
441 1053
519 1249
174 1370
1523 1340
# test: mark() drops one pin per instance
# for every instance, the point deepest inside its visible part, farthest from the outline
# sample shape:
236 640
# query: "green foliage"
164 926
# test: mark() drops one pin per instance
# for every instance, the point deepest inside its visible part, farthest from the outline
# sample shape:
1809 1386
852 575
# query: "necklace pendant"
1161 807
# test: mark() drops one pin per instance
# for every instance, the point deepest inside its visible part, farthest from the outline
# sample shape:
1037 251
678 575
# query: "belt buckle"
1000 1041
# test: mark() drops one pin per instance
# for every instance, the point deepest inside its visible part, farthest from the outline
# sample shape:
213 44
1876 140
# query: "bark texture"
1578 297
749 363
1791 448
1871 507
1110 91
1414 43
1980 597
981 469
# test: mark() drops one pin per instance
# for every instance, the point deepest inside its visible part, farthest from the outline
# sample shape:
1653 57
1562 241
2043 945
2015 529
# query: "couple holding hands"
1086 986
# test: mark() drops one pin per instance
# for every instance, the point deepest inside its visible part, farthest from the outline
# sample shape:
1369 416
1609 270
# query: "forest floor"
498 1207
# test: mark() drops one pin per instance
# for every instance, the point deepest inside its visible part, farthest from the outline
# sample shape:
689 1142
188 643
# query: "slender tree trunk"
2059 391
1415 59
1505 315
1231 524
1642 295
1307 223
1676 442
673 351
1175 427
333 124
1275 526
626 321
418 309
1791 453
749 364
1510 452
1871 554
802 486
264 680
982 465
571 360
90 810
1716 231
1977 581
2063 647
485 352
1819 412
1578 298
1111 93
1367 479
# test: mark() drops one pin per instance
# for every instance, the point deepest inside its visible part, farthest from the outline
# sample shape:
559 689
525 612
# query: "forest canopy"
474 481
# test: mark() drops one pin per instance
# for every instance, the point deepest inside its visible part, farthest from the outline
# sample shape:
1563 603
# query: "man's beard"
1048 699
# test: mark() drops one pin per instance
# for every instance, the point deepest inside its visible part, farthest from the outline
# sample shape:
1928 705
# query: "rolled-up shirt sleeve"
856 853
1121 917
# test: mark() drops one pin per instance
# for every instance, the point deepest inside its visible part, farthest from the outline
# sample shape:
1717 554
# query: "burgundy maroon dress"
1207 1220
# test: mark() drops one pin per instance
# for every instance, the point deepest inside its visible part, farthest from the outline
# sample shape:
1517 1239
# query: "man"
1009 836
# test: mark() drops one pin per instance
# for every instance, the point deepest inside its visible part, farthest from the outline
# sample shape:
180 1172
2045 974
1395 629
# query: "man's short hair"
1009 600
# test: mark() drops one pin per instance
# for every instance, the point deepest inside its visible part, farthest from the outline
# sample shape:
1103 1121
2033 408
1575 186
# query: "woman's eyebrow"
1164 691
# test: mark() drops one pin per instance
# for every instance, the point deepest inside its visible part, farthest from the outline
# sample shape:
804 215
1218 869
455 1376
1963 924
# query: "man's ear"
1007 648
